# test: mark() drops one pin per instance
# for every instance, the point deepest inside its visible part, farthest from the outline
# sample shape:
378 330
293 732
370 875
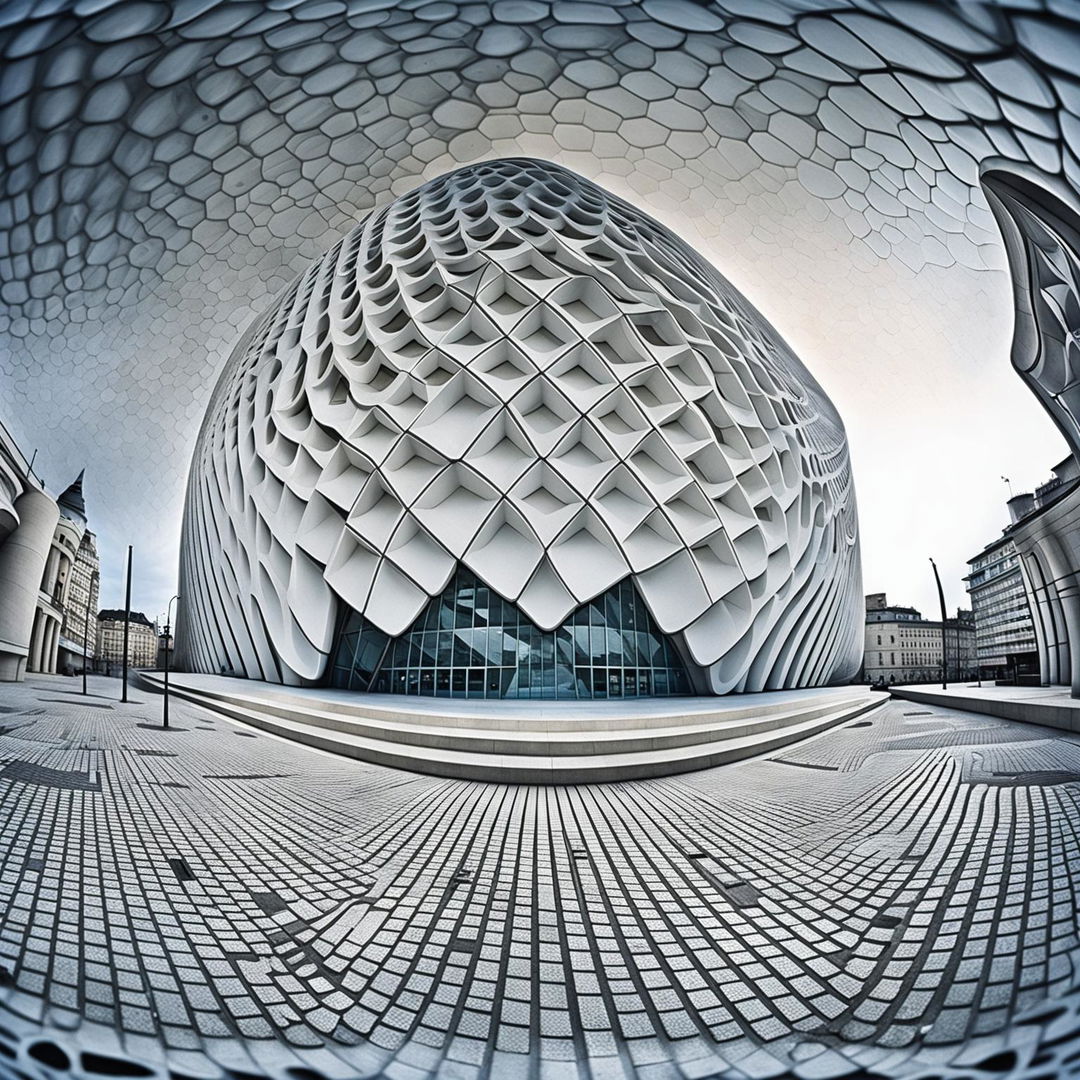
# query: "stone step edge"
286 704
532 743
497 768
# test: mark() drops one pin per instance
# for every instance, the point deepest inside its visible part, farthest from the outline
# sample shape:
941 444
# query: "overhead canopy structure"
168 167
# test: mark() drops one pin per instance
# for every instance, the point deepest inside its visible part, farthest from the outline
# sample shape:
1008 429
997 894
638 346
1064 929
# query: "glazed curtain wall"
469 642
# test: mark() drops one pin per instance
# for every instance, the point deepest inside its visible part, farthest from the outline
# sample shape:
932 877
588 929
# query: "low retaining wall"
1027 710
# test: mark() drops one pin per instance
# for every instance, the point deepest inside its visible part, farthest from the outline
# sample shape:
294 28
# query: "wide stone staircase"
528 741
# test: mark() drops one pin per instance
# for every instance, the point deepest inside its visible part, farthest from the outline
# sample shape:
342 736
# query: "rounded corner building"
511 437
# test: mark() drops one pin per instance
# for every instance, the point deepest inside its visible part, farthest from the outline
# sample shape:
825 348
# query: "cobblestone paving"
895 898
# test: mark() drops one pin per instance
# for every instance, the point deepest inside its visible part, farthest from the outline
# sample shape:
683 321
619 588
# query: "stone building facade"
28 518
1046 531
79 634
901 647
53 594
142 639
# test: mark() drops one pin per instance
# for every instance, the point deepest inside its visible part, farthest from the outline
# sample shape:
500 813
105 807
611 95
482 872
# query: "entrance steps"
526 741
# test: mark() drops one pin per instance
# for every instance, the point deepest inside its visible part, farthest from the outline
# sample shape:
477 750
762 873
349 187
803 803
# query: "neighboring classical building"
1045 530
80 631
142 640
48 654
28 518
902 647
517 439
1004 632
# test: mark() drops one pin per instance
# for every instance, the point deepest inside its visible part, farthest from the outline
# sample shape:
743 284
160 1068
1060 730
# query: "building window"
470 643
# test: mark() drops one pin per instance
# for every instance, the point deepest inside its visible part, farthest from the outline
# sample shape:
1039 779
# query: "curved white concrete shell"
1040 223
511 371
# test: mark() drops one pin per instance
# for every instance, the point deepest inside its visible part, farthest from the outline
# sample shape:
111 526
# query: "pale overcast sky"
916 362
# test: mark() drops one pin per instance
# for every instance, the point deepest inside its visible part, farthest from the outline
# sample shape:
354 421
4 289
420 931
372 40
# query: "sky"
916 361
918 367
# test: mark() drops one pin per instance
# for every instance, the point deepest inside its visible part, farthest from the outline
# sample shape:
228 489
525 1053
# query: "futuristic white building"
511 437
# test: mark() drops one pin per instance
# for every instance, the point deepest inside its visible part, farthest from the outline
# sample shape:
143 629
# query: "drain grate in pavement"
155 753
181 869
461 876
1029 778
34 865
886 922
30 773
105 1065
247 776
10 729
463 944
741 894
269 903
925 712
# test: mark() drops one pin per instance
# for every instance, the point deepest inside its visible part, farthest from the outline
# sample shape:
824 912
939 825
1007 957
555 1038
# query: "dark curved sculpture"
1041 229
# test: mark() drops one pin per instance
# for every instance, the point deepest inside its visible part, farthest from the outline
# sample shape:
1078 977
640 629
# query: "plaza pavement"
895 897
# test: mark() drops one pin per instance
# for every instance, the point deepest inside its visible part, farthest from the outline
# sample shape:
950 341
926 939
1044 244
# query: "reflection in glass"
470 642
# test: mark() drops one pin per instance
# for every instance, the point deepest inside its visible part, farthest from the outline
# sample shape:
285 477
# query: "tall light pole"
168 632
94 576
127 622
944 632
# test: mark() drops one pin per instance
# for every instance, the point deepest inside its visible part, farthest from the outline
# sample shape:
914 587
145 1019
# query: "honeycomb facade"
510 371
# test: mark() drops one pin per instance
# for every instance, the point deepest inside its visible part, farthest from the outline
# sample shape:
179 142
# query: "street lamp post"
127 622
168 632
94 576
944 631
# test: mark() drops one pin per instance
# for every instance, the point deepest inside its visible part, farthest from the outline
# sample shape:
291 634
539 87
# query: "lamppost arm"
944 631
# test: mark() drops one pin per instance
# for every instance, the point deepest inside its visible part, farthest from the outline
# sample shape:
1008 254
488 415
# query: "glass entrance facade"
470 643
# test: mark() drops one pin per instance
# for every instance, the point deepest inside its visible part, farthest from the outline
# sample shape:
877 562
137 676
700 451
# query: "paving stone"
626 956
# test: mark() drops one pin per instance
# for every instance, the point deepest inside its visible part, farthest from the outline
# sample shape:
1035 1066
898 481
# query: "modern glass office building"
1004 631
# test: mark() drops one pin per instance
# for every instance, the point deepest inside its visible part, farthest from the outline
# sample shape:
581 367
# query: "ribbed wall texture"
511 369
